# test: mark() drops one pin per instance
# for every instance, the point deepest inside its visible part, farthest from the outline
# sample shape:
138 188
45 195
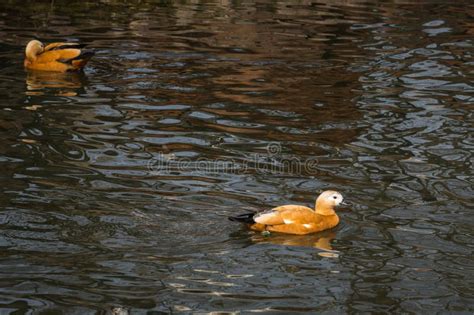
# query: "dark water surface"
116 183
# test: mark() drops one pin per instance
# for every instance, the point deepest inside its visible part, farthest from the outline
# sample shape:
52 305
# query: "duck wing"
289 214
63 59
62 55
59 46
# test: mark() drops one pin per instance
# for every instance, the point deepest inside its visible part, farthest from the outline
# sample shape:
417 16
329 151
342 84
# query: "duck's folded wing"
298 215
288 214
292 208
59 46
270 217
63 55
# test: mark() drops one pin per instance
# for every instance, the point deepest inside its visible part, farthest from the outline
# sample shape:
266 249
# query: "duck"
57 57
296 219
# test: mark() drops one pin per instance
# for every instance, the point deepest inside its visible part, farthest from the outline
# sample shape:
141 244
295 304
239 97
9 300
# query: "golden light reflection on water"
54 83
320 240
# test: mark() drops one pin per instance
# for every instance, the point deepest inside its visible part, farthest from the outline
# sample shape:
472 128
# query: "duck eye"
335 197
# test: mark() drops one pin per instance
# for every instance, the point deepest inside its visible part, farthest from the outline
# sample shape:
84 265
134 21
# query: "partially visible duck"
295 219
58 57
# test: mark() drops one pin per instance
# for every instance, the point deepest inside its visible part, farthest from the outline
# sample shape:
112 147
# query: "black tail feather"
84 55
244 218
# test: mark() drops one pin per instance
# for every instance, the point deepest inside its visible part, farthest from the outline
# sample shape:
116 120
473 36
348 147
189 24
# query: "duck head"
34 48
327 201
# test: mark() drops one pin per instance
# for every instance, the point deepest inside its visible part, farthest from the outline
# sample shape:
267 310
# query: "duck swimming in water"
58 57
295 219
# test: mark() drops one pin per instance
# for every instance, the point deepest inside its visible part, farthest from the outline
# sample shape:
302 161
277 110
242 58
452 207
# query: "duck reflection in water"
321 240
55 83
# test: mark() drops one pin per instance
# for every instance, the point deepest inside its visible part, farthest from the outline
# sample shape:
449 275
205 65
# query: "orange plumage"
58 57
295 219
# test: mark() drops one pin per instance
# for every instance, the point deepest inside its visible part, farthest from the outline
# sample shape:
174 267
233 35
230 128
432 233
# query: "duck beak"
343 203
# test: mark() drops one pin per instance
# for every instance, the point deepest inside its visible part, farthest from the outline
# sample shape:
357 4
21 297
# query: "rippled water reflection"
117 182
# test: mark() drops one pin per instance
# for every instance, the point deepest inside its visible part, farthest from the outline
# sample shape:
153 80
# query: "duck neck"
30 55
33 50
323 208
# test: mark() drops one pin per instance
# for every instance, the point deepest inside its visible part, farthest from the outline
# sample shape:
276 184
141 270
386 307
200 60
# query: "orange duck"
294 219
58 57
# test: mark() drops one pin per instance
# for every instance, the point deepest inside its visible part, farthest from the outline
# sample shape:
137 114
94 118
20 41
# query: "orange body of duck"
57 57
295 219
